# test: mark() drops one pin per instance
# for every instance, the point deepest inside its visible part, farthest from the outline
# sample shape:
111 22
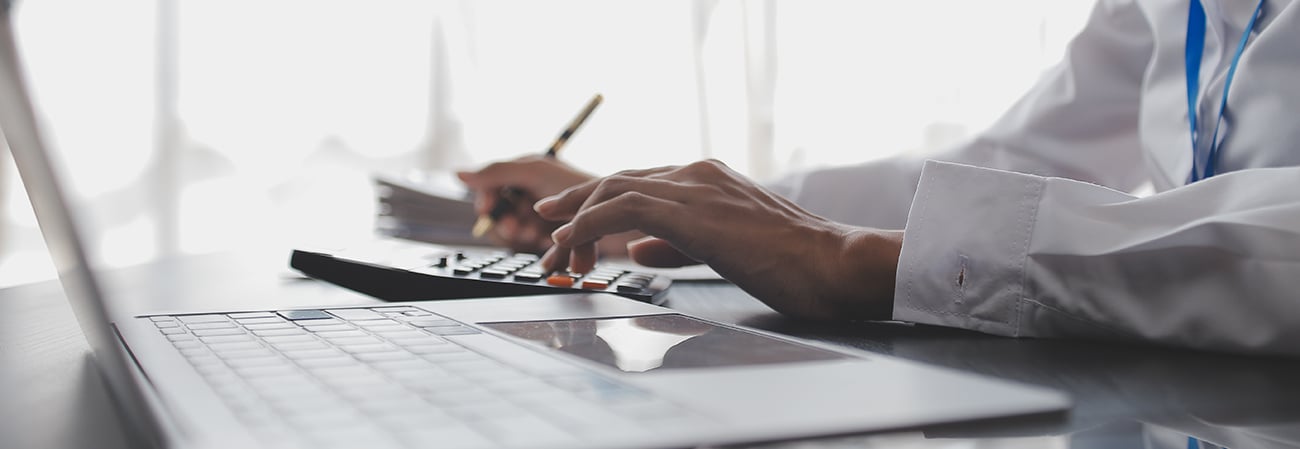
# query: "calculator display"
658 342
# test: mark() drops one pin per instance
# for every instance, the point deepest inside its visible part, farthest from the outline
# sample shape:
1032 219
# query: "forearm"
1212 265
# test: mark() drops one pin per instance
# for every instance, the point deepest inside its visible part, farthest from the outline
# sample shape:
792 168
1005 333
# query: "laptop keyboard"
404 377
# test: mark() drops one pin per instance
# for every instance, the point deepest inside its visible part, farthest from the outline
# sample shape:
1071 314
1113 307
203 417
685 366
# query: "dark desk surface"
1126 395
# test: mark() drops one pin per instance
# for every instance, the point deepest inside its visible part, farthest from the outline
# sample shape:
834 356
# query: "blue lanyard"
1195 47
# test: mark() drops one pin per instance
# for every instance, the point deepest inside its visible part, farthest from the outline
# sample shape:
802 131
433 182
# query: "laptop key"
266 371
190 319
396 309
295 315
217 332
278 332
218 325
355 341
373 323
225 338
421 340
388 329
329 328
172 331
328 362
405 333
360 349
187 344
269 326
242 315
460 330
383 356
407 363
300 345
278 339
355 314
311 353
432 322
264 320
234 346
432 349
321 322
351 333
230 356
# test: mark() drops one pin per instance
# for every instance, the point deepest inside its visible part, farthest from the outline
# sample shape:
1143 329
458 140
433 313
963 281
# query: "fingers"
556 258
580 259
567 204
625 212
658 253
629 211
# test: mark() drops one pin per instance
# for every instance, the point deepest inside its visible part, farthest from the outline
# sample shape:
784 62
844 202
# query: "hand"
796 262
536 176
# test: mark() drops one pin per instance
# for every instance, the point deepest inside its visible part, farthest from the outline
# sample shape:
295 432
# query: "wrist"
865 269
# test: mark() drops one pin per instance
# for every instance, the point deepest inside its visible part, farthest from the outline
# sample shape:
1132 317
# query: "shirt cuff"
964 250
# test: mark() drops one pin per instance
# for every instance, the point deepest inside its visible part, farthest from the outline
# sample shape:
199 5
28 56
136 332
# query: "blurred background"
200 126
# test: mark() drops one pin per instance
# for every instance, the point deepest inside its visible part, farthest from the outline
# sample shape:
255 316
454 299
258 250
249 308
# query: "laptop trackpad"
661 342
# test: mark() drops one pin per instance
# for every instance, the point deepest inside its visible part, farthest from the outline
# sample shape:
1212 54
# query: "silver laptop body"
571 371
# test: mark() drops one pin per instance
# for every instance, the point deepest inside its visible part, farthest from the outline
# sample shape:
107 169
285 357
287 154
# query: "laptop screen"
62 236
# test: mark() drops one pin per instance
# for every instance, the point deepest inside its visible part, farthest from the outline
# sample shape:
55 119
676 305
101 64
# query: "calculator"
414 275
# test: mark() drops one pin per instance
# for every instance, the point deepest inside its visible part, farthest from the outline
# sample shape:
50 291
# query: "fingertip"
545 206
583 259
551 259
562 234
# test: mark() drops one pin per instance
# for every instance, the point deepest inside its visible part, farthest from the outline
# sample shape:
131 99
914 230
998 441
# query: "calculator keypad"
526 269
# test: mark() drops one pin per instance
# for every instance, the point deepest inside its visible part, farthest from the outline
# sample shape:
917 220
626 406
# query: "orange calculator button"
595 285
560 280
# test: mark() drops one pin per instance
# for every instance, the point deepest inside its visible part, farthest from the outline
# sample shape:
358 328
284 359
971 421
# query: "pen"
509 195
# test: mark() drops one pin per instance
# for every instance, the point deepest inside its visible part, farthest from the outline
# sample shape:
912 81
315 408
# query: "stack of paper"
424 210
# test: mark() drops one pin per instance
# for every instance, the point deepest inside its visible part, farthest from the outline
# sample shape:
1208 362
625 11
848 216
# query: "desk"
1126 395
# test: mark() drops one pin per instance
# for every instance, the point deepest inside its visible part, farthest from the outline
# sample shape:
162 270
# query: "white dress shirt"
1026 230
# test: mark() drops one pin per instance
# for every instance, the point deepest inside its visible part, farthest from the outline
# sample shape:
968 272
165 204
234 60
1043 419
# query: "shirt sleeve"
1212 265
1080 121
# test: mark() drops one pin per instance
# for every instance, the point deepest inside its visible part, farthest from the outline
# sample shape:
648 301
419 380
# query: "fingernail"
545 205
465 175
562 234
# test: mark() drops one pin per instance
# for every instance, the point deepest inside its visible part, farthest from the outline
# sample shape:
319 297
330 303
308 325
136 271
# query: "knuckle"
633 203
707 167
612 184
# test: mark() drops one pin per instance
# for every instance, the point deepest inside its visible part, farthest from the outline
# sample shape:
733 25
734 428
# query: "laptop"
583 370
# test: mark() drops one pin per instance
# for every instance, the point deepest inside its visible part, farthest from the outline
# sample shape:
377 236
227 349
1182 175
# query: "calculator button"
595 285
627 288
528 277
560 280
493 273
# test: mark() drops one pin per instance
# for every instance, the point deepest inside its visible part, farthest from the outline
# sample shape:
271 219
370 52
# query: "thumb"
658 253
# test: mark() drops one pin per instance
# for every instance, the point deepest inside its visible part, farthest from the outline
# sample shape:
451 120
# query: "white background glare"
193 127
